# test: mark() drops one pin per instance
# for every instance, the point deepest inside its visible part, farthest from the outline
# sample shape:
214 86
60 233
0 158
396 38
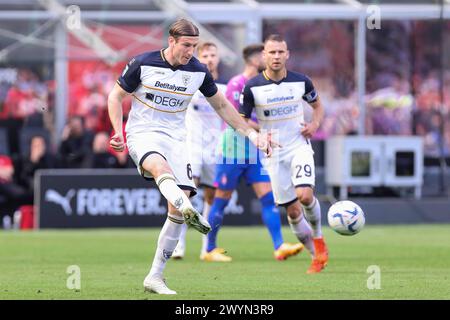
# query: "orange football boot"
321 251
216 255
315 267
287 250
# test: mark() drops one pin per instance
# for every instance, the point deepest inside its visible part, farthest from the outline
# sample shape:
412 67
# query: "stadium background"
393 80
392 83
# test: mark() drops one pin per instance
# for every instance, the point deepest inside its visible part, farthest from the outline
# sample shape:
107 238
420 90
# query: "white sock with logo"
167 241
173 193
302 230
313 215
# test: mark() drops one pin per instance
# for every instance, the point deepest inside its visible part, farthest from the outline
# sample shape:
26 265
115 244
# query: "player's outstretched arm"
228 113
318 113
115 98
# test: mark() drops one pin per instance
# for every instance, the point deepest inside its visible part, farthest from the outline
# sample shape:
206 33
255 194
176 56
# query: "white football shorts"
141 145
293 168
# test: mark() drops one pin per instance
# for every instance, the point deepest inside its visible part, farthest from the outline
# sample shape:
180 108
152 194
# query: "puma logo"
53 196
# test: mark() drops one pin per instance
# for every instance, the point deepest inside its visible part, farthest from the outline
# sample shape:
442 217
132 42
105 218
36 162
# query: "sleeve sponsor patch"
311 96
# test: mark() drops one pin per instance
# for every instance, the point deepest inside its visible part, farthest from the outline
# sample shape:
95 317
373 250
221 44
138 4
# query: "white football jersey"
161 93
279 106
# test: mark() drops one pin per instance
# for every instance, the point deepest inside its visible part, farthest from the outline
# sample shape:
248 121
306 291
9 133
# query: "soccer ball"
346 218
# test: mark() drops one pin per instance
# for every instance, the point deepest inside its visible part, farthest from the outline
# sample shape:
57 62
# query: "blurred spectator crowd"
27 134
405 62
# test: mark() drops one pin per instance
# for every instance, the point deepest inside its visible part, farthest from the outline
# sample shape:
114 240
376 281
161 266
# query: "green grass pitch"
414 262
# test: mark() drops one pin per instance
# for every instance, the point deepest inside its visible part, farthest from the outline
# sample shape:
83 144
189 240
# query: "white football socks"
182 240
313 215
173 193
205 214
167 241
302 230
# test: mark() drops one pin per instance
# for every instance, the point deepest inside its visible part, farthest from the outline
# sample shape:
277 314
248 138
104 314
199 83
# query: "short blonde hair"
183 28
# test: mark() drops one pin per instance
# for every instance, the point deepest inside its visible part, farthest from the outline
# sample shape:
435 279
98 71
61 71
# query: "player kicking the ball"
162 84
276 94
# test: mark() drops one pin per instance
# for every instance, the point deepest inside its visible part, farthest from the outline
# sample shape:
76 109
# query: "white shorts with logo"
293 168
141 145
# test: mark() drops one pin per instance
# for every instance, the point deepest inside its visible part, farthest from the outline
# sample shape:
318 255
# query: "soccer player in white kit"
204 127
276 95
162 84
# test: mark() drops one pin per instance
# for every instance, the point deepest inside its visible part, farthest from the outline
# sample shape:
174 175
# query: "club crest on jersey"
185 78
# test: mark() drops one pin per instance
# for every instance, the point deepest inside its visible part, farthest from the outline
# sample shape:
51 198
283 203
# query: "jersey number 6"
189 171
